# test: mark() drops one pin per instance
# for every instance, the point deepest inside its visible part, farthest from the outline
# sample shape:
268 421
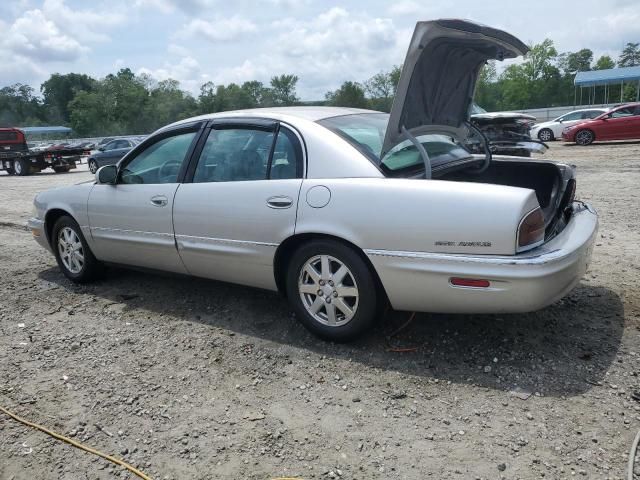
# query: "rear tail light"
531 230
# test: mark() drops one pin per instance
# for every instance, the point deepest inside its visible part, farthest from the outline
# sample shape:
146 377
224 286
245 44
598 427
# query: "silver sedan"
340 209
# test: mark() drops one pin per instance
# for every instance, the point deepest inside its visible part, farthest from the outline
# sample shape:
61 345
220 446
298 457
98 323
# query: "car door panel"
131 222
228 230
242 203
128 227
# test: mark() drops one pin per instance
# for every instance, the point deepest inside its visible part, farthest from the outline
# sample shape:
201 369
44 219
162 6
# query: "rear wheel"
21 167
545 135
63 169
93 166
585 137
73 255
332 290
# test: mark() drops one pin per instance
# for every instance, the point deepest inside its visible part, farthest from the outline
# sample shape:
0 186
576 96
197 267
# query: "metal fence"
545 114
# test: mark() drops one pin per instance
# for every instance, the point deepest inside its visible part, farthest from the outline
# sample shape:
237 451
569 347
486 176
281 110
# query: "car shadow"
564 349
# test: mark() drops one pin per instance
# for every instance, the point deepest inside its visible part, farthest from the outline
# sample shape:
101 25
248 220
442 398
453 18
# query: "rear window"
8 136
366 132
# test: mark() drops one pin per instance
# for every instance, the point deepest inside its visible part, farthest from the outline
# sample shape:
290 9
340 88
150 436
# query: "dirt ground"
193 379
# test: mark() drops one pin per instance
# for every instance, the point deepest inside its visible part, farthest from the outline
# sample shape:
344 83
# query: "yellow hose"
131 468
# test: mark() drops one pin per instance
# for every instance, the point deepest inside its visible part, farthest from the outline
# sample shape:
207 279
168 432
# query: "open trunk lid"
439 75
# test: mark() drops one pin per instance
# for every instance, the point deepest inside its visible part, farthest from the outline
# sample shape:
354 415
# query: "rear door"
131 222
241 201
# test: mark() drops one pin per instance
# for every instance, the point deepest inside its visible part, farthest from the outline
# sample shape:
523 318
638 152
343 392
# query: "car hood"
550 123
439 75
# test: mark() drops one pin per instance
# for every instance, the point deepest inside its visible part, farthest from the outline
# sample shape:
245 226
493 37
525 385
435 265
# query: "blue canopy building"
611 76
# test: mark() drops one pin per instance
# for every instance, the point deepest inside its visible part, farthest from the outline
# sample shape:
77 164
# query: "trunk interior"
546 179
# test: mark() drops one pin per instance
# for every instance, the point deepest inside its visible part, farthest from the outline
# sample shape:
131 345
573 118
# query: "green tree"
380 89
282 91
19 106
59 90
630 56
604 62
572 62
350 94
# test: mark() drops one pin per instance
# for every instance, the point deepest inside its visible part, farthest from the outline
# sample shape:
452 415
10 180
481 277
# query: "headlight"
531 230
566 129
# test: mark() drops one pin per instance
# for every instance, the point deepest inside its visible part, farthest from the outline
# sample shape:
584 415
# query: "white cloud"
36 37
84 25
218 29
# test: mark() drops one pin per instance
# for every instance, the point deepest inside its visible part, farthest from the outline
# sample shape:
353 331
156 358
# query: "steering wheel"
487 150
169 169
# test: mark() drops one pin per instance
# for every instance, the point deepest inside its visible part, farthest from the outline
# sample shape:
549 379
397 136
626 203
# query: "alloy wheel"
328 290
545 135
584 137
93 167
71 250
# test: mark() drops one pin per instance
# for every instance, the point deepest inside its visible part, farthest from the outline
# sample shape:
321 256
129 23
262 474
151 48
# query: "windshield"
366 132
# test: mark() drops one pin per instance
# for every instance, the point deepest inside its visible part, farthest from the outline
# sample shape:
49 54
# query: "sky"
323 42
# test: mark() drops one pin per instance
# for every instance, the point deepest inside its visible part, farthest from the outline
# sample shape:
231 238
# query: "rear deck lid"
439 75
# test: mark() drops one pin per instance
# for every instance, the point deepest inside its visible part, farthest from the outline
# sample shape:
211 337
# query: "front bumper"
525 282
39 234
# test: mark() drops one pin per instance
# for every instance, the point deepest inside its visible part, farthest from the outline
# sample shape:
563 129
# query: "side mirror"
107 175
101 149
560 120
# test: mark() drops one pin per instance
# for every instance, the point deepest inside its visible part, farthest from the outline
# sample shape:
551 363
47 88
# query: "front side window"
622 112
159 162
592 114
243 154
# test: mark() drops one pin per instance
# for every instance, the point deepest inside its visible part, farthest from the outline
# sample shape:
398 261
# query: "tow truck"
17 159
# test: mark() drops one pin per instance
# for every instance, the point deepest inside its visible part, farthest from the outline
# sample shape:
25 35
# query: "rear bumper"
418 281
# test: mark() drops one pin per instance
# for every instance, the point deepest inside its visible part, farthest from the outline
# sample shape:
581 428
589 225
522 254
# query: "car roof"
310 113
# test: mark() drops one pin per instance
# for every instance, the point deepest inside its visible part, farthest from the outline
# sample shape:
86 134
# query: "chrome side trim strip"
539 259
226 241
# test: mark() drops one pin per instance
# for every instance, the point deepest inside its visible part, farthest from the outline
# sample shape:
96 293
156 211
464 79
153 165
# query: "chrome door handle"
279 201
159 201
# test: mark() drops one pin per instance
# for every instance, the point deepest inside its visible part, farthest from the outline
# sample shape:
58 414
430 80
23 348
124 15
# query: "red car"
621 123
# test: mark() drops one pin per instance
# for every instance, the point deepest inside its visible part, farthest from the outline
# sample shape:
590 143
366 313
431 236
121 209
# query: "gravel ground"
188 378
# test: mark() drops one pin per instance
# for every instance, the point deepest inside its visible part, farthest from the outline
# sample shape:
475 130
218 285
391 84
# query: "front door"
618 125
131 221
241 203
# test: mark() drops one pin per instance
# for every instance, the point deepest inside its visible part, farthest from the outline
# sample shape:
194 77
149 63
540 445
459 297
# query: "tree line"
125 103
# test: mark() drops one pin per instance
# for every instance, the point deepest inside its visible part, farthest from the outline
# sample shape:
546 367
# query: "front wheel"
72 252
545 135
93 166
584 137
332 290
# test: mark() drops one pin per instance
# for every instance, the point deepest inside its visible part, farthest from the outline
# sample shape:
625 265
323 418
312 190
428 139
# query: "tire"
353 299
584 137
21 167
93 166
10 171
546 135
61 169
65 236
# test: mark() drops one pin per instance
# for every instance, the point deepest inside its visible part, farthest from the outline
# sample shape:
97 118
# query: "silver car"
340 209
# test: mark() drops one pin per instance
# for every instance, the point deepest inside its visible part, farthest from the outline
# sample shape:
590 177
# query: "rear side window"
8 136
244 154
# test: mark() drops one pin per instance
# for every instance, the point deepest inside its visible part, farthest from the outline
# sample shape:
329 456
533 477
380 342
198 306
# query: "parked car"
340 208
507 132
620 123
552 130
110 153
